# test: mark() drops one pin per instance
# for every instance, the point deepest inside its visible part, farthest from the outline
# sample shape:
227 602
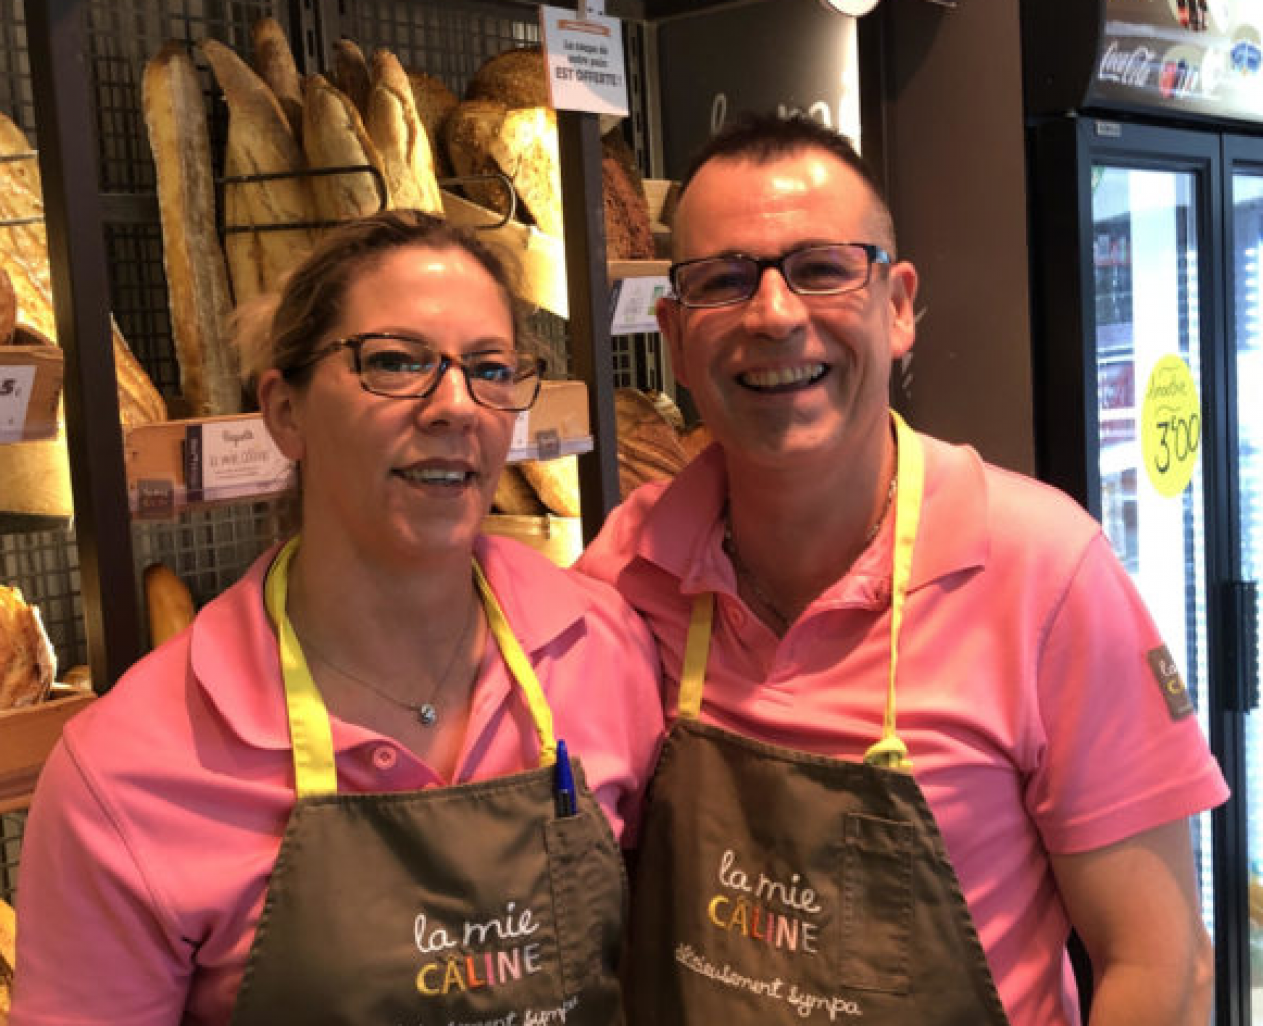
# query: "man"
929 741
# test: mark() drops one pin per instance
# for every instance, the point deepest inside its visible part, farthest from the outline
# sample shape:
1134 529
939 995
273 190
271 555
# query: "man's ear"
902 286
669 314
282 413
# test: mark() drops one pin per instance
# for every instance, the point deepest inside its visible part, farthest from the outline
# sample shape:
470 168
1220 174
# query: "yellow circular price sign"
1170 426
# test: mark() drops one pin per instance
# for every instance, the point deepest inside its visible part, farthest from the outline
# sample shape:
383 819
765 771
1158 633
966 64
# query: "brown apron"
776 886
500 901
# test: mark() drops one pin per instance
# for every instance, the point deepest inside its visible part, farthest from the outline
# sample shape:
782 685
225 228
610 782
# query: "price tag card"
585 59
232 459
16 384
635 300
1170 426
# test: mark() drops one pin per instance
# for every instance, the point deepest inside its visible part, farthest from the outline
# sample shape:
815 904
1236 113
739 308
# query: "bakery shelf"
26 737
638 269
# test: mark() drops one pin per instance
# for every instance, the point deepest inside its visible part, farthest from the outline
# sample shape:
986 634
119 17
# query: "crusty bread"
351 74
526 150
273 60
8 308
694 439
556 482
8 956
24 257
12 141
399 134
648 446
334 136
514 494
628 230
516 78
467 136
27 662
434 102
260 142
197 278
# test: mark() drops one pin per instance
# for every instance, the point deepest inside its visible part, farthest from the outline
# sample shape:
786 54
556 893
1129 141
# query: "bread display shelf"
181 463
558 538
26 737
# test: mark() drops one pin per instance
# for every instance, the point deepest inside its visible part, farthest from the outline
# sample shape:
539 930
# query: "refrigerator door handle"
1242 608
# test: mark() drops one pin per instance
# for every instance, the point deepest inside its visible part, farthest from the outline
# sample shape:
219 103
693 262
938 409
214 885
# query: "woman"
355 729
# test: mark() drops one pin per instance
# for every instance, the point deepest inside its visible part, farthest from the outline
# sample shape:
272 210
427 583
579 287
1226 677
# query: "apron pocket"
876 904
581 877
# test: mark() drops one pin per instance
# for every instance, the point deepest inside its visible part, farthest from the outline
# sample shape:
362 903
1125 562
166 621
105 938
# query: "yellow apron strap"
311 736
696 652
523 672
890 751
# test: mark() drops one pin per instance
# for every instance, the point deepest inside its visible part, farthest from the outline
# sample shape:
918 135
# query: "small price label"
15 396
1170 426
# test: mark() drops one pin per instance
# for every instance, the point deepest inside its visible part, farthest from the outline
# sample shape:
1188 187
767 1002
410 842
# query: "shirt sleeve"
92 946
1117 758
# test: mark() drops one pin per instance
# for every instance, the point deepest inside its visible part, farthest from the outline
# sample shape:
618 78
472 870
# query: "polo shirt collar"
684 529
235 661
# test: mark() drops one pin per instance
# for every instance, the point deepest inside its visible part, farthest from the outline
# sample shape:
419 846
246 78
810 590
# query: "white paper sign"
233 459
635 302
15 395
585 61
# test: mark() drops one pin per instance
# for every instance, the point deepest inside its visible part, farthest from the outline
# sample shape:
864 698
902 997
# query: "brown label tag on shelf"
155 499
549 444
1167 674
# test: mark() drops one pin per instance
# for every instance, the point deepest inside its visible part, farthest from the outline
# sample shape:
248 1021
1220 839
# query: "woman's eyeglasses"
402 367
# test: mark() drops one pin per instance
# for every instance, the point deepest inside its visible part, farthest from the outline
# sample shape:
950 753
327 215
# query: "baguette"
8 308
8 956
260 142
434 102
350 73
197 279
334 136
396 129
273 60
168 601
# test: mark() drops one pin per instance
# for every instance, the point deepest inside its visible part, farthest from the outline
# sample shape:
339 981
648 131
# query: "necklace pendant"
427 714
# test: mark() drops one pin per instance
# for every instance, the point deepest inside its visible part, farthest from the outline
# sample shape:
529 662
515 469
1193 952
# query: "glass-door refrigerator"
1146 199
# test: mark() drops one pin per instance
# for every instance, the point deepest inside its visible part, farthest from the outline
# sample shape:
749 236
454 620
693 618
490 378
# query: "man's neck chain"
782 621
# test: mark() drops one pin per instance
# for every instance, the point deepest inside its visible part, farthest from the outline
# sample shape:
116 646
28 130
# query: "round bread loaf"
516 78
648 446
26 657
468 132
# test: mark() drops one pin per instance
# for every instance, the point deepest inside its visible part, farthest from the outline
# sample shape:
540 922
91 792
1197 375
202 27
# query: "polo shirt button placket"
384 758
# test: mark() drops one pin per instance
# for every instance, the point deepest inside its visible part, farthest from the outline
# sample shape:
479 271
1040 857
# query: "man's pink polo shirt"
158 818
1025 694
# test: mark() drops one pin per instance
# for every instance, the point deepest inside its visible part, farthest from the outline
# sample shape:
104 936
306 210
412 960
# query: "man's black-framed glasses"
818 270
403 367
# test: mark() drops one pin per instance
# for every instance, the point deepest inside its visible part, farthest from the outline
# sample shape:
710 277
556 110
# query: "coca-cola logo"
1135 67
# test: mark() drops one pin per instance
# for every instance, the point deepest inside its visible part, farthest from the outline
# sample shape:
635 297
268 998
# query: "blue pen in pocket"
567 798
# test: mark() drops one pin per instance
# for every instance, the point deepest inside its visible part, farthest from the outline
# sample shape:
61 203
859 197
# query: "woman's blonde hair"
279 331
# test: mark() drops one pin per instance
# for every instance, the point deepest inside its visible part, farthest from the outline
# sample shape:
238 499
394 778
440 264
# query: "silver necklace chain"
746 575
426 712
